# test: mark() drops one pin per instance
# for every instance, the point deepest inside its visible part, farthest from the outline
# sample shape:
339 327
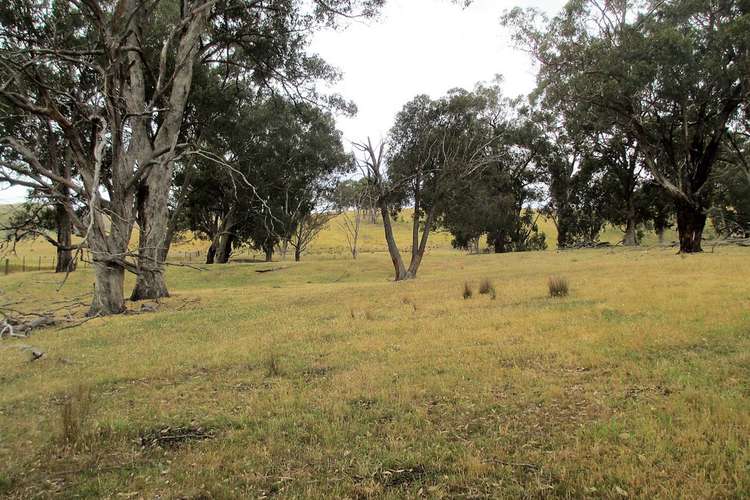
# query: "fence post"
23 265
7 265
39 267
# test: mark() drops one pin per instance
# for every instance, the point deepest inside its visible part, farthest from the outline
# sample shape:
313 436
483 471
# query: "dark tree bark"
63 205
211 253
563 226
65 260
268 250
297 255
660 234
631 235
224 249
691 222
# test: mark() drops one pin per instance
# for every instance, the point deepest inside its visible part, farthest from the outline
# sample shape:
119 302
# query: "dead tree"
308 227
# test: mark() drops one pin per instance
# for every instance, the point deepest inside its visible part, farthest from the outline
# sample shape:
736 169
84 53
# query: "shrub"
487 288
558 286
467 290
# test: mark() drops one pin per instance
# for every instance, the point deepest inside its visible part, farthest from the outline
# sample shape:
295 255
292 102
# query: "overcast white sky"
415 47
423 47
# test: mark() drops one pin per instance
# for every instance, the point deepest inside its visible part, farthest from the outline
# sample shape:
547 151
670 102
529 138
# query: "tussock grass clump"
558 286
486 287
273 366
408 301
74 415
468 292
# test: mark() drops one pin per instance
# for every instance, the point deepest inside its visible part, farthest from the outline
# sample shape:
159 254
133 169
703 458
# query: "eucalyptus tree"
50 208
294 161
114 78
497 200
621 167
271 180
671 74
431 144
731 211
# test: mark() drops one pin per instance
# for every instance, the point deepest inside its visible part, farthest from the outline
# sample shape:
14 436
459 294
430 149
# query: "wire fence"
16 263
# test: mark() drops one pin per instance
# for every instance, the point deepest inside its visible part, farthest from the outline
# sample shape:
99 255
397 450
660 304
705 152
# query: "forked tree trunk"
691 222
153 219
398 262
416 260
108 290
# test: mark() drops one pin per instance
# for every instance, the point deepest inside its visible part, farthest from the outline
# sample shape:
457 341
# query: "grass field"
325 379
30 255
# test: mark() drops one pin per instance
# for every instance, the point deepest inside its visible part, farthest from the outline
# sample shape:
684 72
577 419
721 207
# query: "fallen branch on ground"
270 270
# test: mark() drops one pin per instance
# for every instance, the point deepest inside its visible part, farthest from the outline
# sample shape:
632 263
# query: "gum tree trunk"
268 250
211 253
631 237
65 261
108 296
398 262
691 222
416 260
153 219
224 249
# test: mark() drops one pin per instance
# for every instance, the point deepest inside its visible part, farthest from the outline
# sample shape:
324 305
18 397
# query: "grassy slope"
324 379
331 242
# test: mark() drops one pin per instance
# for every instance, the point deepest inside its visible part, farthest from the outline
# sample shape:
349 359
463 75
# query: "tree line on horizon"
206 116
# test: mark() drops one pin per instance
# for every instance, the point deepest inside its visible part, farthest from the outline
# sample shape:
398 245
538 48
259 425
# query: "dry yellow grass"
331 243
325 379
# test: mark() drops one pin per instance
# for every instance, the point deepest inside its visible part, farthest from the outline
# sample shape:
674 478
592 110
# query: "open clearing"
325 379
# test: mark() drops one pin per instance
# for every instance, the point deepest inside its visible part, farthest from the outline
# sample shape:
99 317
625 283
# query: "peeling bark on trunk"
690 225
153 219
108 290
